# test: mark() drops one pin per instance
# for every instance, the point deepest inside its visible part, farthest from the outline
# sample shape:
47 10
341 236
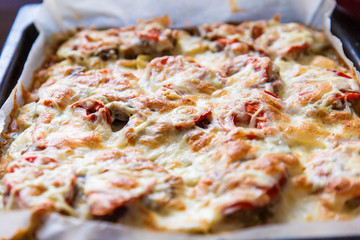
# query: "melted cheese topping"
205 132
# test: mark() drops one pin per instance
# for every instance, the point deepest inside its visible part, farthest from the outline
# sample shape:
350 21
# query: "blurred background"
9 9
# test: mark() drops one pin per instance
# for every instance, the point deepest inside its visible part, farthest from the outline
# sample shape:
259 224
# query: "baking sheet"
58 16
61 228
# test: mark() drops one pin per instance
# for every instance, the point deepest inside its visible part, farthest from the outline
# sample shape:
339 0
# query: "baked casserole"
209 129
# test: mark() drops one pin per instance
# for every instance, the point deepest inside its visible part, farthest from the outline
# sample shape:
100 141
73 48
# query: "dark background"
8 10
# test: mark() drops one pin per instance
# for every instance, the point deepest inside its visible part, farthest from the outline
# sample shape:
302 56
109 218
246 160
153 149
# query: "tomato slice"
251 109
340 74
226 41
92 108
204 119
297 47
352 95
152 35
271 94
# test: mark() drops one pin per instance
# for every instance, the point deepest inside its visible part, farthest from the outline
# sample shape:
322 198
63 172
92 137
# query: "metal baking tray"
24 33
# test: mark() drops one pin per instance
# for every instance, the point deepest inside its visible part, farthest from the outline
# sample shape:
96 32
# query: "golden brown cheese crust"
124 178
334 174
188 131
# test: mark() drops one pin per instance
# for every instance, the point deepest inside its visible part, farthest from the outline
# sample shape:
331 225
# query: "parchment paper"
59 15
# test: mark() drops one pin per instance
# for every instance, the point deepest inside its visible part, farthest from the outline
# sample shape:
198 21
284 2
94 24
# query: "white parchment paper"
60 15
